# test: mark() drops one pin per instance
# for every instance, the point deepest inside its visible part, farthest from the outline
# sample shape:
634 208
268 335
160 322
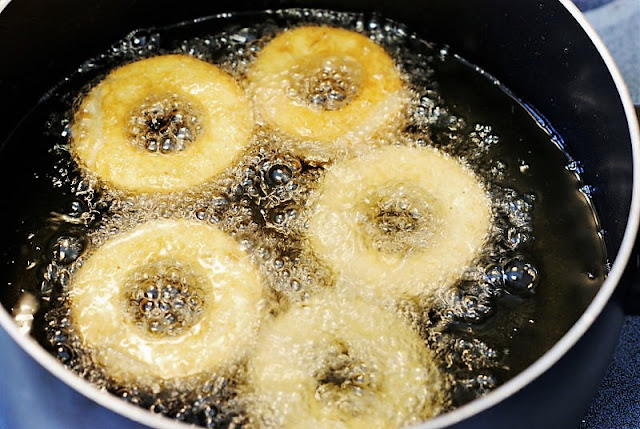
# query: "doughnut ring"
326 84
399 222
161 124
166 300
342 363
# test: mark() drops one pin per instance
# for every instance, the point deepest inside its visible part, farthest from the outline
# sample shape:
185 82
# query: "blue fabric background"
616 404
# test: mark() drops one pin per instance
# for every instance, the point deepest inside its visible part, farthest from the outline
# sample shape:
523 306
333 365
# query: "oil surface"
539 270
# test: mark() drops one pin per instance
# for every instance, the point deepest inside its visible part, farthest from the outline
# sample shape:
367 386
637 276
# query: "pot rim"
539 367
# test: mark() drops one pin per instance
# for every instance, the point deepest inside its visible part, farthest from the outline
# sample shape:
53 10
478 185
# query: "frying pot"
542 50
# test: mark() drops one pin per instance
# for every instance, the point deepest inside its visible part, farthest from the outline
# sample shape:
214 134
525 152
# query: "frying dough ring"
450 200
101 141
291 370
378 101
231 302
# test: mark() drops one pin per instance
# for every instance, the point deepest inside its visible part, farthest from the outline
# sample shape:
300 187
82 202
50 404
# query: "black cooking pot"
542 50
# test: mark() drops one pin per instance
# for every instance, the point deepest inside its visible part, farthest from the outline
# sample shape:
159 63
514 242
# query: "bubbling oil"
523 292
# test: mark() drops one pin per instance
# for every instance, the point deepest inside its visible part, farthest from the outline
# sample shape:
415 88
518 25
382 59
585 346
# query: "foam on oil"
543 262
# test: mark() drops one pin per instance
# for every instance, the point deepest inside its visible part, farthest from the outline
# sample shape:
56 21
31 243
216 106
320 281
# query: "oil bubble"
67 249
520 277
64 353
279 175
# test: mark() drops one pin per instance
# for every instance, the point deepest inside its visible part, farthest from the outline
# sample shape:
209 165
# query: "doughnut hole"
326 83
399 220
165 124
165 297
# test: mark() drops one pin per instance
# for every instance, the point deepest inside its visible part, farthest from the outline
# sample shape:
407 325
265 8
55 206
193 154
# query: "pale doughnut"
336 363
229 294
105 129
399 221
281 82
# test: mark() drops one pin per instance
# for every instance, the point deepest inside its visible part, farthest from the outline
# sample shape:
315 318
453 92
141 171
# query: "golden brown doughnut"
166 300
342 363
324 84
161 124
399 221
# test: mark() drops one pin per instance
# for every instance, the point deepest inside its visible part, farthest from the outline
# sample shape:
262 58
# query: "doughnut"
325 84
161 124
342 363
165 300
399 222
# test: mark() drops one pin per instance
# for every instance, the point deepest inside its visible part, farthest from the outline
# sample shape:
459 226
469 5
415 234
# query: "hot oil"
543 263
